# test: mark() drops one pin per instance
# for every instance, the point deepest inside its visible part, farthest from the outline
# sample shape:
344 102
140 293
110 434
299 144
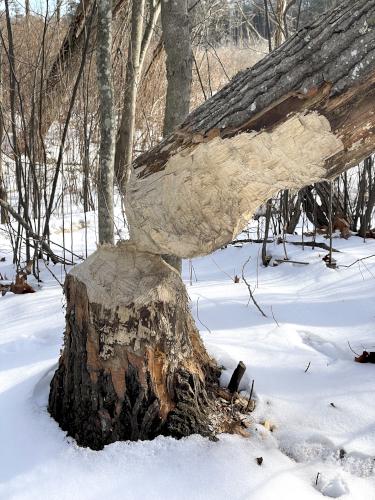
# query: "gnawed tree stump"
133 364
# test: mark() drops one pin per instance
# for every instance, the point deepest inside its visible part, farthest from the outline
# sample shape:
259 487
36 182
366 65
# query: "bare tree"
138 44
107 122
177 45
3 193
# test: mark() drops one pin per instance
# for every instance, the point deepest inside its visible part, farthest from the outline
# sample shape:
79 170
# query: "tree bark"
138 46
3 192
177 45
133 365
107 122
280 34
366 217
125 136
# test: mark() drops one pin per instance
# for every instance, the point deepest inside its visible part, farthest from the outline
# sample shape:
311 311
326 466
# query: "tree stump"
133 365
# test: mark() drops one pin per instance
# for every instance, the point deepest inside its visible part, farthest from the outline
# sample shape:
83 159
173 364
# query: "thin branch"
198 318
250 291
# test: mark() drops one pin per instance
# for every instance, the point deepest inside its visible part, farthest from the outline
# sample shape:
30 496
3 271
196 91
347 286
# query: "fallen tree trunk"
302 114
133 364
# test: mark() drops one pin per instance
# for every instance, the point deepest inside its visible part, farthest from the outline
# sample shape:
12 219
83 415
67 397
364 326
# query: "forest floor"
323 420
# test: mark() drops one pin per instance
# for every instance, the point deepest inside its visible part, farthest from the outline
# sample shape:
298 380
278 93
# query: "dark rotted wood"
328 66
236 377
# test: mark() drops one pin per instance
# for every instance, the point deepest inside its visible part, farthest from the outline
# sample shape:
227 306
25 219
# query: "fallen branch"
281 261
249 240
313 244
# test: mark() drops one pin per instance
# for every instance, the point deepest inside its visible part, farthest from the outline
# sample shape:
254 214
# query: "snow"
323 419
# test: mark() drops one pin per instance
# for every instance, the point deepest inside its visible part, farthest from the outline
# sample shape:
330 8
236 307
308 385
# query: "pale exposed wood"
179 199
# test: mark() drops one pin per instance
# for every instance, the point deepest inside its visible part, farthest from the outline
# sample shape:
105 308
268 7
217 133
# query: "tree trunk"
133 365
366 218
138 46
107 122
3 192
125 136
177 45
280 35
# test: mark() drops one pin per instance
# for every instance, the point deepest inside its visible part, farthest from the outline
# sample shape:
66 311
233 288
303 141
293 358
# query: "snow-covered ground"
322 420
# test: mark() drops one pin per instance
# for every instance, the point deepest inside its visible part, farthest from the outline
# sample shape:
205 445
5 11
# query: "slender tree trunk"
125 136
138 46
177 45
280 33
58 11
3 192
265 257
366 218
107 122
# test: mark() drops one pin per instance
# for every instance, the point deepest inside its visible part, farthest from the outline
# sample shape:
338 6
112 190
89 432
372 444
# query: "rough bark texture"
317 87
281 7
133 364
107 122
177 45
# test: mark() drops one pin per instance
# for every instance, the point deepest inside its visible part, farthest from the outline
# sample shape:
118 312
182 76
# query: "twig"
53 274
250 292
358 260
198 318
222 270
249 240
308 366
317 479
275 320
350 347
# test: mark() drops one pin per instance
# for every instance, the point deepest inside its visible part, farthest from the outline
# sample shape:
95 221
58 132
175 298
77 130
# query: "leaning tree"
133 365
